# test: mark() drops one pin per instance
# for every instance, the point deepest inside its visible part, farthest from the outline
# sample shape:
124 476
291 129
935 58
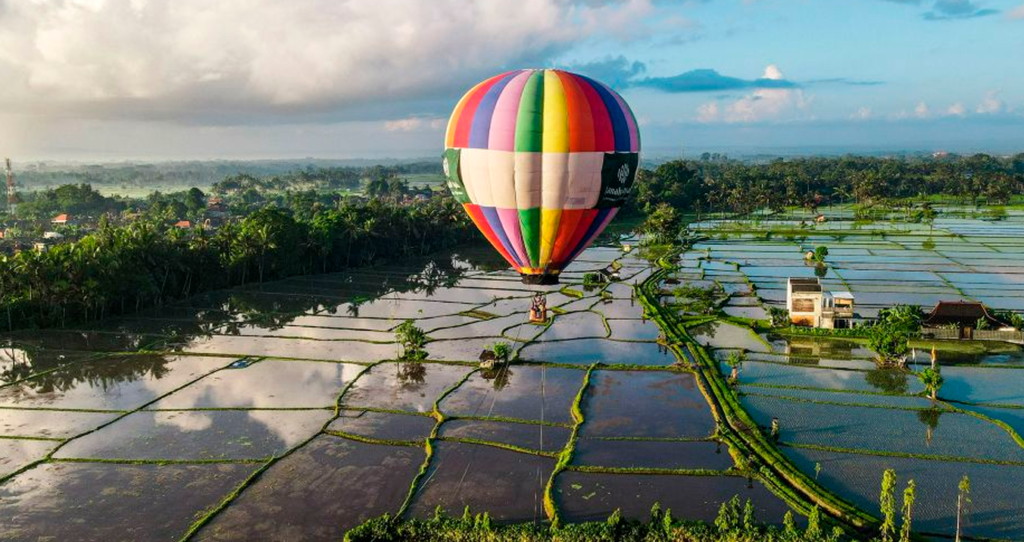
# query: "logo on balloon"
447 169
623 173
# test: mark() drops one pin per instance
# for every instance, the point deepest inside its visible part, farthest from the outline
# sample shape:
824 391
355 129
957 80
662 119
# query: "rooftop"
963 313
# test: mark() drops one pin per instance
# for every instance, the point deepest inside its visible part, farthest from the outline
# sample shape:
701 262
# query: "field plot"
840 417
995 512
150 427
594 496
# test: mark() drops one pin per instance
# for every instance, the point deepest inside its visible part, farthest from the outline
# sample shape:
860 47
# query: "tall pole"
10 187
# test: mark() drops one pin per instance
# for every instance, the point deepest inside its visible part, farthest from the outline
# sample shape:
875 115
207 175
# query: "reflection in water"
411 374
498 376
79 501
891 380
103 374
930 418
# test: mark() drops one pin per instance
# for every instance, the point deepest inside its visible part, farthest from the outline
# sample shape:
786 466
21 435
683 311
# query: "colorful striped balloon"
541 160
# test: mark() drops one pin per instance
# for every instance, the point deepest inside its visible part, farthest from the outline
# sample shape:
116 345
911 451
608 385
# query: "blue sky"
168 79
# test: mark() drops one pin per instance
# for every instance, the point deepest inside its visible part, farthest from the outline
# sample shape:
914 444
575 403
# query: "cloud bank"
232 60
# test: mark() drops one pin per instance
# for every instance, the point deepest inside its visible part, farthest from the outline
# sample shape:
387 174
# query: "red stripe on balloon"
575 237
566 230
604 133
581 120
465 120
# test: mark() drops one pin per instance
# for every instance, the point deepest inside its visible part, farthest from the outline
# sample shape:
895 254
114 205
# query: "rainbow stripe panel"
541 160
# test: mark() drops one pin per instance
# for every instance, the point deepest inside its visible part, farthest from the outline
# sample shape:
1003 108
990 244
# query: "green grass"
736 427
565 457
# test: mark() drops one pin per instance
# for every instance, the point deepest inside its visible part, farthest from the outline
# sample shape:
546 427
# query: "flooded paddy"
100 501
320 491
302 376
508 485
244 376
594 496
844 420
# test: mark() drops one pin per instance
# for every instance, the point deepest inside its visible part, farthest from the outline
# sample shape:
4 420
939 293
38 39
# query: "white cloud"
760 105
957 110
1016 13
193 59
708 112
864 113
990 103
773 72
922 111
414 124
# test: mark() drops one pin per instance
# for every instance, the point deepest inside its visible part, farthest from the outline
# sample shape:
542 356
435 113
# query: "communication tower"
10 187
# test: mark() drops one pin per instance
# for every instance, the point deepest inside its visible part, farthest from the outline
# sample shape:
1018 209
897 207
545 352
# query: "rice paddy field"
284 411
842 419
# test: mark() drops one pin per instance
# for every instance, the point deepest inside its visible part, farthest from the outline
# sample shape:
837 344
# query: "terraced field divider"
428 444
736 427
565 457
252 478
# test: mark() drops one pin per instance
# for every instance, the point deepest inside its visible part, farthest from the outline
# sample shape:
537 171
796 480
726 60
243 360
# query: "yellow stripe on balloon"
549 219
556 115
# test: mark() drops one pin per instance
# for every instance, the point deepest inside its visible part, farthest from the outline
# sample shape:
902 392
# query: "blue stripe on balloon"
480 130
615 113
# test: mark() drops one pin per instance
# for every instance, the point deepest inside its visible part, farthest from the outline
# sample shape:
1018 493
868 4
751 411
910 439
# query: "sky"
111 80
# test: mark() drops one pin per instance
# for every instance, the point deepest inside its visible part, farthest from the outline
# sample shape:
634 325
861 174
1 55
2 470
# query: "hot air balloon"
541 160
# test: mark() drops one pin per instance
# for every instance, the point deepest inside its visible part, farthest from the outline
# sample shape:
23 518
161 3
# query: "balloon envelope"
541 160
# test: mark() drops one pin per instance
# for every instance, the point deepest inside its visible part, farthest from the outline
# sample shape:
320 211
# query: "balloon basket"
543 280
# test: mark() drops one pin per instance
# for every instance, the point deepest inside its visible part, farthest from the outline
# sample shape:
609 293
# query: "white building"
809 305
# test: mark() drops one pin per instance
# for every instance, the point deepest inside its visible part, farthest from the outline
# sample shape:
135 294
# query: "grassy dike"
760 455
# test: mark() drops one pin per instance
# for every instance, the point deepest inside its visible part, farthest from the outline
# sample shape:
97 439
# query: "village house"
183 224
809 305
62 219
966 320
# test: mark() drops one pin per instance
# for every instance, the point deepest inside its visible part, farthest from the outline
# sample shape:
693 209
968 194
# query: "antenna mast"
10 187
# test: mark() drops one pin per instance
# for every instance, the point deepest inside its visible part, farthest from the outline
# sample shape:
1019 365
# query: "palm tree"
932 380
735 361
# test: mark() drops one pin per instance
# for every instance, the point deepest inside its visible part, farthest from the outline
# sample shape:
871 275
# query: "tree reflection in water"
24 355
500 377
892 380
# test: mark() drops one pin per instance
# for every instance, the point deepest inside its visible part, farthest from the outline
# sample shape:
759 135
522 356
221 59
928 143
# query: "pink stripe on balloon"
506 110
510 223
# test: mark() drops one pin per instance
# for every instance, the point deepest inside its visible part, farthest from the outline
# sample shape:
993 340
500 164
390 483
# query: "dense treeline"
124 268
76 199
183 175
718 185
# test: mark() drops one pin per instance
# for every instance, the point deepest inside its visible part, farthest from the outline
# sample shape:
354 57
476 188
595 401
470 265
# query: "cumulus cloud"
1016 13
957 110
181 59
766 103
990 103
922 111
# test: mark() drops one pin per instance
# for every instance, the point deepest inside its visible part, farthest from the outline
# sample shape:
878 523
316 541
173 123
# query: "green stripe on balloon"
530 121
529 223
